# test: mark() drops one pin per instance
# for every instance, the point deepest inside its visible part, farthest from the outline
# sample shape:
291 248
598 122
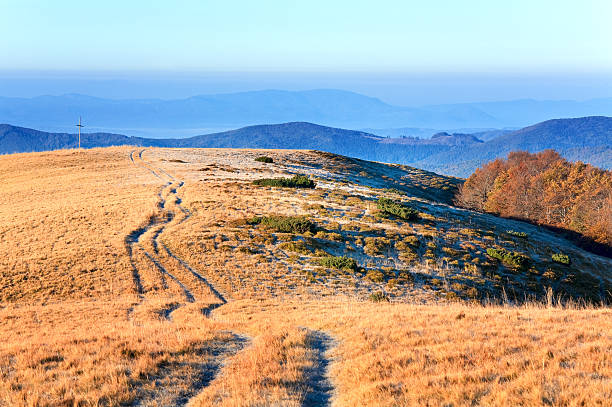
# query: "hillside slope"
443 240
174 277
587 139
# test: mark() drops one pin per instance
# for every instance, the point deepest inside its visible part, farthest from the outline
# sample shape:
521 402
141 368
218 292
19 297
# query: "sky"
406 52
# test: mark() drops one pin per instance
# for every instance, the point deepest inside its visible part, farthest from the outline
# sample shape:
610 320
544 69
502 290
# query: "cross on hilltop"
79 126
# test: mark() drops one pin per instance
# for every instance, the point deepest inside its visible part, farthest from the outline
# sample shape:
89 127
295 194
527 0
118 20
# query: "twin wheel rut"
155 267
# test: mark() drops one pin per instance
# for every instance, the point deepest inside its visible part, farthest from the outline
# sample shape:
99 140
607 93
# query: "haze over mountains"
158 118
588 139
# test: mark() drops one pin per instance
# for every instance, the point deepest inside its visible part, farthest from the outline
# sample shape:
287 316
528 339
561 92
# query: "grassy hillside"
169 277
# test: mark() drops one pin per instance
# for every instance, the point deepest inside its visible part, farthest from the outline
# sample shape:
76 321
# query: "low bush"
297 181
285 224
375 276
512 259
412 240
405 277
451 252
472 292
389 207
405 252
264 159
338 262
336 237
379 296
374 246
561 258
296 247
248 250
522 235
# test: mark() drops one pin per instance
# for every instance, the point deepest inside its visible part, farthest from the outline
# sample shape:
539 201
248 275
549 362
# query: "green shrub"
512 259
561 258
264 159
398 210
296 247
405 252
339 263
522 235
297 181
379 296
285 224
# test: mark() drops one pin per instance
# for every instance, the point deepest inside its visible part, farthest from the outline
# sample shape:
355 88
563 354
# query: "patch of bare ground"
176 382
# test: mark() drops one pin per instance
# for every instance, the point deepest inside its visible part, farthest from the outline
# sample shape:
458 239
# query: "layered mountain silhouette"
588 139
336 108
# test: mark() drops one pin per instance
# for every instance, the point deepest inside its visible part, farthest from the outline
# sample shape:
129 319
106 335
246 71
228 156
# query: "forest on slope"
546 189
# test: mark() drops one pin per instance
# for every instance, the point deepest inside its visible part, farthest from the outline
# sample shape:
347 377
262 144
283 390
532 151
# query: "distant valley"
588 139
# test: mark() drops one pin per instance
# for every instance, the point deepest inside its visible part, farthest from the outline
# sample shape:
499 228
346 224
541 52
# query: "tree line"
546 189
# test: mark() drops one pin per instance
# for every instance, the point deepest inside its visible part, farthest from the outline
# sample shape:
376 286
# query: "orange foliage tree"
546 189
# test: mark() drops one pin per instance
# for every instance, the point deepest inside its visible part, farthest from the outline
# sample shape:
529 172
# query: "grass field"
135 276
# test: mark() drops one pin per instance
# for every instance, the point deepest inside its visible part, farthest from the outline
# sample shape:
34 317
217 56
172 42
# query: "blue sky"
568 40
413 36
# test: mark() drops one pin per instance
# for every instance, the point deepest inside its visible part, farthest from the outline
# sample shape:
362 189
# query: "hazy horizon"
392 88
404 53
411 55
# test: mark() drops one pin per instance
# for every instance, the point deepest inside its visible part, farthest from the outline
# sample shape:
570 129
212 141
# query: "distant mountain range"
588 139
336 108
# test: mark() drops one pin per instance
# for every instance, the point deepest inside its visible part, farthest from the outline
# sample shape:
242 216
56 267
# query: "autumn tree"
475 191
544 188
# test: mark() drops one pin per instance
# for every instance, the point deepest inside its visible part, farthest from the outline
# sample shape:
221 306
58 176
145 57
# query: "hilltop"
587 139
206 276
15 139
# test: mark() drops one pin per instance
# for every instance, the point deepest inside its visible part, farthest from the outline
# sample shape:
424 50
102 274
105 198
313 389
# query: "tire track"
195 274
142 163
170 211
170 379
181 261
321 388
133 239
188 295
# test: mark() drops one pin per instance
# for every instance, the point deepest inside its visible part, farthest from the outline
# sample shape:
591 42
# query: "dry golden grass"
63 220
271 372
111 261
94 353
401 354
387 354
